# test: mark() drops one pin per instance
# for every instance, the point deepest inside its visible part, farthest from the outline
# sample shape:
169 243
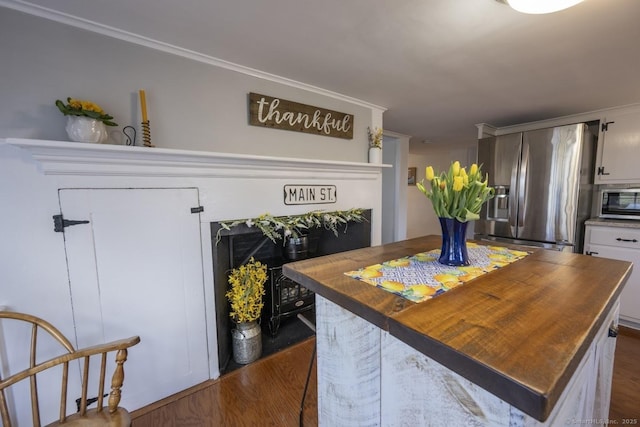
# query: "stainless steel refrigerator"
544 187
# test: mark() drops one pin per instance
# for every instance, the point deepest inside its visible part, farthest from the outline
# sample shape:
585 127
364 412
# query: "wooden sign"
288 115
309 194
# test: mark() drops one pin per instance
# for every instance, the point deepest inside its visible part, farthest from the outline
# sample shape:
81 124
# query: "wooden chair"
110 416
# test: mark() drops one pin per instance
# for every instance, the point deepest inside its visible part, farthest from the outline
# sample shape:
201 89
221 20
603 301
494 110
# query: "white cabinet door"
619 150
136 269
630 296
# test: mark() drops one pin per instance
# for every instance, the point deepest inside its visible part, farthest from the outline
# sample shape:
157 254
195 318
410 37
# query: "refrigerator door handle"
522 186
513 197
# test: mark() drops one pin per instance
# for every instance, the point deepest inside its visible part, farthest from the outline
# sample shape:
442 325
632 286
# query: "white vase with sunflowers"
84 129
457 197
86 121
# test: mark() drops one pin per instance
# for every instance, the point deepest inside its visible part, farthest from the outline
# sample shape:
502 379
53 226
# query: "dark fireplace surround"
238 245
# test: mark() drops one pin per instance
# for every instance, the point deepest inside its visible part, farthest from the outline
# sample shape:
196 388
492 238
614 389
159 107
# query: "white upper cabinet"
619 149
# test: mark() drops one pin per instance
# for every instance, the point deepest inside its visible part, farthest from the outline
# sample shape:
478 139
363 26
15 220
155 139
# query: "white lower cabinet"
622 244
136 269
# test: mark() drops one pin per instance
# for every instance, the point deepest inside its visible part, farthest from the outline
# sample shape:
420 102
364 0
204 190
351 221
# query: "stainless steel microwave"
621 203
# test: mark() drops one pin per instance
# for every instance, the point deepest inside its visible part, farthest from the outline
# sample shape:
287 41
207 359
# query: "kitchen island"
525 344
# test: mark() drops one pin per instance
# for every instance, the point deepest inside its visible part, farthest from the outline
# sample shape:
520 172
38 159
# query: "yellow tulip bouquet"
456 193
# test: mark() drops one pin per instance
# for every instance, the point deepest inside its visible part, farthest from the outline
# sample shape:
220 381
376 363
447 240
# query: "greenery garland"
277 227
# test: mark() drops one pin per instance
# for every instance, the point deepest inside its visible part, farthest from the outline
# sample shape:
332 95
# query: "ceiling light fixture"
540 6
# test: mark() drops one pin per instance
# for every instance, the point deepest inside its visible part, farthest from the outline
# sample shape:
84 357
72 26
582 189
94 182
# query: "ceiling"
438 66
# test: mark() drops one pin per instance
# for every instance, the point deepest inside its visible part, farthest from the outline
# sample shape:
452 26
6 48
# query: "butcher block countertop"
519 331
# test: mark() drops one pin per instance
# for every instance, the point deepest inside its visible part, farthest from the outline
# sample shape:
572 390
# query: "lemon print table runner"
421 277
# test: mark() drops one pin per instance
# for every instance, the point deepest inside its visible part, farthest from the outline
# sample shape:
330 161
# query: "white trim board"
486 129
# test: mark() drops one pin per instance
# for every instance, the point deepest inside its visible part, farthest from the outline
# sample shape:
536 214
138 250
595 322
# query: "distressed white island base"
366 377
527 344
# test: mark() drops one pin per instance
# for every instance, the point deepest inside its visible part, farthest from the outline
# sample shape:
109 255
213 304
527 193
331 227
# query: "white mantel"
72 158
221 177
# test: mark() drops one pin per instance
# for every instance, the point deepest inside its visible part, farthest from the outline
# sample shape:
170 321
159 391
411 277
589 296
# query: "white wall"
191 104
421 219
395 151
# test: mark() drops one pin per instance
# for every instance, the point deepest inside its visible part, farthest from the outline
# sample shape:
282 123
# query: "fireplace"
284 298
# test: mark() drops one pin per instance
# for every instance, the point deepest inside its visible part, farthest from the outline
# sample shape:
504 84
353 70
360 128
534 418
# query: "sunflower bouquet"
456 193
78 107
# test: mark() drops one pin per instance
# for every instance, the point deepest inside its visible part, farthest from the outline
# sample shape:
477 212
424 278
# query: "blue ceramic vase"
454 242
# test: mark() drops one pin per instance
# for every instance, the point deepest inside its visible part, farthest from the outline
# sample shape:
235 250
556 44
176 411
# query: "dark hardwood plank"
625 390
266 393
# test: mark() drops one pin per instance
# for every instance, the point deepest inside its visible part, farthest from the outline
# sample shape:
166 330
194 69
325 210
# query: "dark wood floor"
269 392
625 390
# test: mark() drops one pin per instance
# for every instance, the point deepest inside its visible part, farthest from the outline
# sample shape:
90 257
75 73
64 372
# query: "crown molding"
64 18
588 116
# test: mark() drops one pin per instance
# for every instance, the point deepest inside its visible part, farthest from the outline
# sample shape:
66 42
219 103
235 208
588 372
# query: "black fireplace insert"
284 298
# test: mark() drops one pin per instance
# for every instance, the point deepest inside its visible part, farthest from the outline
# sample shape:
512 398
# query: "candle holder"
146 134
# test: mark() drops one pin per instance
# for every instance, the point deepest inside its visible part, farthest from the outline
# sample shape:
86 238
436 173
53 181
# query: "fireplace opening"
284 299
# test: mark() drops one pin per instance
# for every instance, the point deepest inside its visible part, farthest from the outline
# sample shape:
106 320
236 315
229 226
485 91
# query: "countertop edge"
482 375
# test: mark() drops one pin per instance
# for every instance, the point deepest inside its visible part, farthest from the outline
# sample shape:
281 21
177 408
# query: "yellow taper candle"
143 105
